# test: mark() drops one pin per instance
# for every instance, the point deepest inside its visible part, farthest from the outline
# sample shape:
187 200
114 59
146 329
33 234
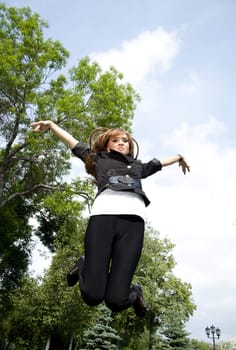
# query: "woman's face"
119 143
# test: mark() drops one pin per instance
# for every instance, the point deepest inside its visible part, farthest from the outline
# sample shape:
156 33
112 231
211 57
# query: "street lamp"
215 333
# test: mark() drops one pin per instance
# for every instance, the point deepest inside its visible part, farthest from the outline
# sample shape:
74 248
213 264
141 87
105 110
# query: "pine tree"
101 335
176 337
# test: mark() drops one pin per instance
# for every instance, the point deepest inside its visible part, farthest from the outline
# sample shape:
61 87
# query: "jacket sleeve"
81 150
151 167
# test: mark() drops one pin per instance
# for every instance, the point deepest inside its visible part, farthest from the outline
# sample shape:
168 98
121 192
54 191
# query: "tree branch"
34 188
46 187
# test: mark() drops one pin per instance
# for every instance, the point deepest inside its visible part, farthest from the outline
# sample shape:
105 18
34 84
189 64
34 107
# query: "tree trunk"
150 337
48 343
71 343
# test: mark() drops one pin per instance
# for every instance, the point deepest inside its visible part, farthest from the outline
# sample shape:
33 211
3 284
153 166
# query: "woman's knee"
115 304
91 298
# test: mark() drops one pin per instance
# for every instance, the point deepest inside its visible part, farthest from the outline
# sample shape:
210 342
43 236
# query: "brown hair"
98 141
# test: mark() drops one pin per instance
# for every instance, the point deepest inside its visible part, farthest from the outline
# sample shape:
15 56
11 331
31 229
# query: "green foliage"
58 213
199 345
96 99
25 61
46 308
15 233
26 57
229 345
175 336
101 335
24 323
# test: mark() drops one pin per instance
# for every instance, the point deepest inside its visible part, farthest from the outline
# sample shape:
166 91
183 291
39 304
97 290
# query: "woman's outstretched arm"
176 159
63 135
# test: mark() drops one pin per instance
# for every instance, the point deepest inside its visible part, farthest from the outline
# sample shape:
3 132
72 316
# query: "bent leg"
98 247
125 256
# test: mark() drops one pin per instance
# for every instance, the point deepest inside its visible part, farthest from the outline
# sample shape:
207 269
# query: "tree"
175 336
25 62
230 345
101 335
45 310
199 345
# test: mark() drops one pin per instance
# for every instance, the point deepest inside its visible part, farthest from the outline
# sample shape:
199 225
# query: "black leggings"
113 245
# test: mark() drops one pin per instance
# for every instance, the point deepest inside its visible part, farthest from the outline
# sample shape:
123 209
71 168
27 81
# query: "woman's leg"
127 247
98 249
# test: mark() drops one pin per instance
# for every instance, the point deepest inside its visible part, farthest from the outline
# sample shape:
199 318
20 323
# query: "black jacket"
118 171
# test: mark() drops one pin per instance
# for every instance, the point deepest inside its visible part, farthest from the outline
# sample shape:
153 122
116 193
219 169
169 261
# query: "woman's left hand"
184 165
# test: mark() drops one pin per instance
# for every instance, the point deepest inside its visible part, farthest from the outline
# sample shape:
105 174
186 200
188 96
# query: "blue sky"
179 56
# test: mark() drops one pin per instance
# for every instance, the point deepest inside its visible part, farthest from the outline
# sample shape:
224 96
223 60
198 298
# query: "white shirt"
112 202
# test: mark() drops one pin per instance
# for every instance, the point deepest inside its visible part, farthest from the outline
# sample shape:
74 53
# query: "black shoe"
73 275
139 306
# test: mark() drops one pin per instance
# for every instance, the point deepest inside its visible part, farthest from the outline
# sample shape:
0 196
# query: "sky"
179 56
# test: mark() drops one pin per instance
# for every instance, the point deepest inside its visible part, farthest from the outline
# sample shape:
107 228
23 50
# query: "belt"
125 180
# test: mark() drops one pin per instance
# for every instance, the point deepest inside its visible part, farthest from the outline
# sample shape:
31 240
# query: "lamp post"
215 333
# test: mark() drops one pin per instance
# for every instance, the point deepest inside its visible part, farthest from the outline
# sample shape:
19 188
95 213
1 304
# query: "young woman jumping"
115 231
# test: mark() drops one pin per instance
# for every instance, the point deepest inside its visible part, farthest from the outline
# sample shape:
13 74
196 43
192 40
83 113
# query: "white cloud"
151 51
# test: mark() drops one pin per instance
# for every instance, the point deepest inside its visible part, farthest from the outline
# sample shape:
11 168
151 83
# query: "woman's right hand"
45 125
42 125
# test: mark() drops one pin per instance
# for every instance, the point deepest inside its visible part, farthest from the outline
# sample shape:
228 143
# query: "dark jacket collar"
117 155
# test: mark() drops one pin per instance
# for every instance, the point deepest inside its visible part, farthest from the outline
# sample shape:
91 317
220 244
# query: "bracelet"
180 157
